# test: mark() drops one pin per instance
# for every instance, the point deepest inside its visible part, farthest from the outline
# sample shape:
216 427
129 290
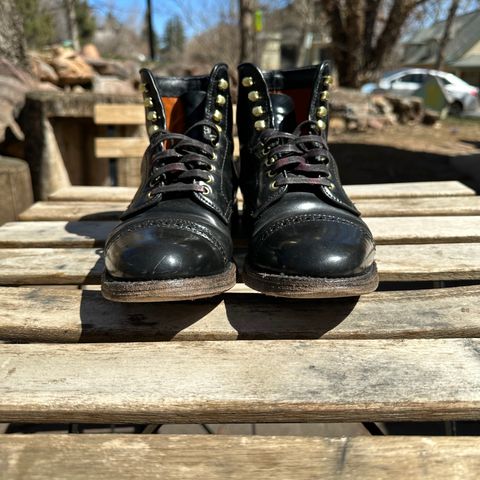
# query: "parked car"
464 97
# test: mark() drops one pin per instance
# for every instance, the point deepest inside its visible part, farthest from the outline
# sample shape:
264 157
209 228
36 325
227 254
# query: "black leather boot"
307 238
174 240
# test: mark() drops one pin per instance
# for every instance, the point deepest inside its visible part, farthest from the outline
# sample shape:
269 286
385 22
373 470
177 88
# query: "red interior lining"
301 98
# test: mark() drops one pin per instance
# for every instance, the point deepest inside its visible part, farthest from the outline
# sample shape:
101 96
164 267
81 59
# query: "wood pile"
352 110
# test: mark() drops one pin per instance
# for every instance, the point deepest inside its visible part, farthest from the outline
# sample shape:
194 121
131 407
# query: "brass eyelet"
269 161
207 190
210 179
331 186
271 174
274 185
211 168
214 157
151 195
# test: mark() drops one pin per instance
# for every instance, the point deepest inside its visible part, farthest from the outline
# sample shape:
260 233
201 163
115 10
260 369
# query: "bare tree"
442 44
247 30
364 33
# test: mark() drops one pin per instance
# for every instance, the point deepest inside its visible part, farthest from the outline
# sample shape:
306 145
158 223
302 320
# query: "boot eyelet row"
207 189
151 195
274 185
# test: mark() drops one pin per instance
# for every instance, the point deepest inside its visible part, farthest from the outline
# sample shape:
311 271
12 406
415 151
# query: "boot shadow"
238 316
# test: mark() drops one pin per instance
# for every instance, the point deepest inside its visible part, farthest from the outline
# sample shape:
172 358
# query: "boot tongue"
194 110
283 112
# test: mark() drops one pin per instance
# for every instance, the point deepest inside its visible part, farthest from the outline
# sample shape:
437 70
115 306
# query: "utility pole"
151 34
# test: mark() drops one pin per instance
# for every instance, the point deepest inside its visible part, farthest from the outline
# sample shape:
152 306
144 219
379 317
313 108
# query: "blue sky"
195 14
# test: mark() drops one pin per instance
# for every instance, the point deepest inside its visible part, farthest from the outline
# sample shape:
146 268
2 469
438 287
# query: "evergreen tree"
86 21
174 37
38 25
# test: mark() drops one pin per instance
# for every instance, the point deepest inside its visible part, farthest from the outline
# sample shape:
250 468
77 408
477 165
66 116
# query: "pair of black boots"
306 237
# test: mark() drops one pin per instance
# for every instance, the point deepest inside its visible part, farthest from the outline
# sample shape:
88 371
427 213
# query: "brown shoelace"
301 158
181 163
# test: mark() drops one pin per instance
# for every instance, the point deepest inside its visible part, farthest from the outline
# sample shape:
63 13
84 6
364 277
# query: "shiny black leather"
179 234
306 230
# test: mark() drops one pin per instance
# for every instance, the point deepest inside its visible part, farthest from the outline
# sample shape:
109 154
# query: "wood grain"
52 266
120 147
421 206
70 211
372 191
82 193
190 457
408 207
386 230
42 314
237 382
118 114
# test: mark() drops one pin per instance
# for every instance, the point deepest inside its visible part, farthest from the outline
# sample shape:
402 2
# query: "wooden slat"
409 190
49 266
218 457
372 191
42 314
82 193
45 211
248 381
421 206
410 207
386 230
120 147
119 114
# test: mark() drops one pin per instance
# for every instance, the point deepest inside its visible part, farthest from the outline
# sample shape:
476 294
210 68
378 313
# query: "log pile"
64 68
352 110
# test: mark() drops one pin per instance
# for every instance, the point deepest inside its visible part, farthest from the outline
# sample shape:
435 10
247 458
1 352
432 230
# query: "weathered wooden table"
70 356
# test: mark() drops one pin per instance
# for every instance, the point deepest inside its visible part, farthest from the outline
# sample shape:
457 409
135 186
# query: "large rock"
71 68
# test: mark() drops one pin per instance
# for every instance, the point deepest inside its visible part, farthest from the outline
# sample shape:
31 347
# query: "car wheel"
456 108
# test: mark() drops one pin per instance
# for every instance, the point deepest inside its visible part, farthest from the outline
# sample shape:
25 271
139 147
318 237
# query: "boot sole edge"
171 290
311 287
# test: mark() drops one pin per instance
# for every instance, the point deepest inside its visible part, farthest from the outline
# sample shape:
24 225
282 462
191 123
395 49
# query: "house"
462 53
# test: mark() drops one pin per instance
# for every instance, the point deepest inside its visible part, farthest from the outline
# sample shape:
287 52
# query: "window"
413 78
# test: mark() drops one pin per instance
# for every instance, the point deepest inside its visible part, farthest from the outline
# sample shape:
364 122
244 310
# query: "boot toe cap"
327 248
162 253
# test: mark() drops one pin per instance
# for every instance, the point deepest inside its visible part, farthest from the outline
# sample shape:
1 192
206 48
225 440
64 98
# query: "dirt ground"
449 137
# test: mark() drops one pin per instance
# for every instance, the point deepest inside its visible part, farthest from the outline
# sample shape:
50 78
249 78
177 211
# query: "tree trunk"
247 30
357 52
12 40
72 26
442 45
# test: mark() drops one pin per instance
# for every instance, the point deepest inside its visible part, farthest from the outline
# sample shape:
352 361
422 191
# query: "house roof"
465 33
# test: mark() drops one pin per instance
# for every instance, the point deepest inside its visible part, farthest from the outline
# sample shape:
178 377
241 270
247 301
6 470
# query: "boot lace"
181 163
302 156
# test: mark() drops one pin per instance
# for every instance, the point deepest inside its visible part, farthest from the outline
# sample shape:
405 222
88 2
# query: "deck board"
112 457
386 230
380 190
392 207
41 314
248 381
56 266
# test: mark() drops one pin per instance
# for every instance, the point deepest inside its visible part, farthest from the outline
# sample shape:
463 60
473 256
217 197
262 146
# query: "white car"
464 97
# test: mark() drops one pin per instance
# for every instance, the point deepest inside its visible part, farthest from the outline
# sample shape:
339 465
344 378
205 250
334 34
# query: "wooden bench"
395 355
125 145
